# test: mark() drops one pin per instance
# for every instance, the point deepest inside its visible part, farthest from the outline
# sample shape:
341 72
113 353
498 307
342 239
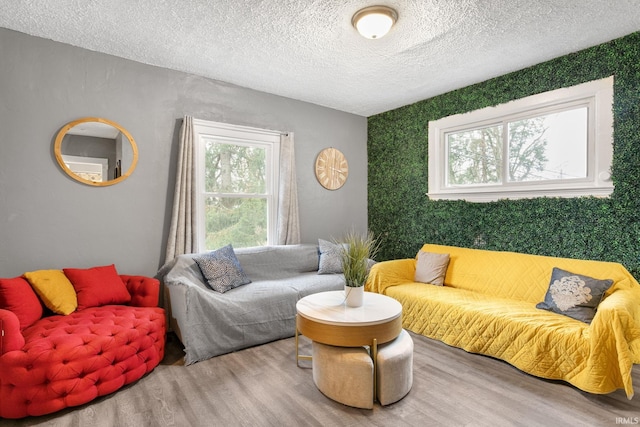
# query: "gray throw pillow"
431 268
330 257
221 269
574 295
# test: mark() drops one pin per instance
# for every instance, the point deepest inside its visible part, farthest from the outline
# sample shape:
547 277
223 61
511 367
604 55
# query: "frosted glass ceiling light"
374 22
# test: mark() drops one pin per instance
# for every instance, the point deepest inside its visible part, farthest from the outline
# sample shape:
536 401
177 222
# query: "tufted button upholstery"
11 338
70 360
145 291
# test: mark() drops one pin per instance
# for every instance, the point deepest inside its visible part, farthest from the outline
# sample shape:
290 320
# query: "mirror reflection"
96 151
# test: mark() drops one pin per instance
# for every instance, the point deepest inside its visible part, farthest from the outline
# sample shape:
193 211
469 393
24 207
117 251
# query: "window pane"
549 147
240 221
475 156
234 168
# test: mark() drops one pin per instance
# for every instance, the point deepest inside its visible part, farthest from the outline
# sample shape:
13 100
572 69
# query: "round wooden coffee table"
324 317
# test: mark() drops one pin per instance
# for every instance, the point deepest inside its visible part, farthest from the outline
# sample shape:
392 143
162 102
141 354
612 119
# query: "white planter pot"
354 296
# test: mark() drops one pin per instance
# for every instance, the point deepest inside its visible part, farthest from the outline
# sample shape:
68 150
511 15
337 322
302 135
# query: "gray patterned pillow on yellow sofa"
574 295
221 269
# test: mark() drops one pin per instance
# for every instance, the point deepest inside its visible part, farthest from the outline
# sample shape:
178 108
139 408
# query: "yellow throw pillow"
54 289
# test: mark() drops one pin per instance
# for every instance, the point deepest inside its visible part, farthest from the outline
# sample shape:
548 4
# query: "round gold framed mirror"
96 151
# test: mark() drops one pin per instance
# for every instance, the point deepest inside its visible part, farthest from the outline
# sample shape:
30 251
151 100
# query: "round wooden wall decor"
332 168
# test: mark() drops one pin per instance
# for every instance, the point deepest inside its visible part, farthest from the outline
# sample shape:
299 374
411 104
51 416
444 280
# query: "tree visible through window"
475 156
235 195
549 147
237 176
552 144
528 143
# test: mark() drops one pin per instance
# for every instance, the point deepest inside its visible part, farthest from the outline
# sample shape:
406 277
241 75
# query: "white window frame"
596 95
269 140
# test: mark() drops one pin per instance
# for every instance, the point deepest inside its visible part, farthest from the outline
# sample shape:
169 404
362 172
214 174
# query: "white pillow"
431 268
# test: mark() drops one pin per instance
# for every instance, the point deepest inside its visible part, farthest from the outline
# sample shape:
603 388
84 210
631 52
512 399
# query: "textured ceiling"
308 50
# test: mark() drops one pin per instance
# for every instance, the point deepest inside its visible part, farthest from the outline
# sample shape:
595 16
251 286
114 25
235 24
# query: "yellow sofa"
488 305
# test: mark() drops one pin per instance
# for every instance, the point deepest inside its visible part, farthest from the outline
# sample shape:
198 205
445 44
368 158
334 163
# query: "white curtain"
182 234
288 226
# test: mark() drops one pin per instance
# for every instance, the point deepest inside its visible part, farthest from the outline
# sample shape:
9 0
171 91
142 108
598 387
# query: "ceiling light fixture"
374 22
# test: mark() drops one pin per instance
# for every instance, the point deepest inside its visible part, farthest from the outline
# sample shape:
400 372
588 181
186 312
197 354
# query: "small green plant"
357 250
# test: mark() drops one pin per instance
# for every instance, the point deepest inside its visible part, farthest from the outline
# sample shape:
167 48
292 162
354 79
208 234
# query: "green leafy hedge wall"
404 218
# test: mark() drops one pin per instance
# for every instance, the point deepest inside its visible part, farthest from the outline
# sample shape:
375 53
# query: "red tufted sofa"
61 361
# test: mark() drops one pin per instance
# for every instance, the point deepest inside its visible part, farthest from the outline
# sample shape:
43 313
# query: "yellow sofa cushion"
518 276
54 289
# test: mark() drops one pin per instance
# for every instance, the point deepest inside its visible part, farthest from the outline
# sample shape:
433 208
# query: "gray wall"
48 220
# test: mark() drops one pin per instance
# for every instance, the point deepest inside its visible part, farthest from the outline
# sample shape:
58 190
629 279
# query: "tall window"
558 143
237 185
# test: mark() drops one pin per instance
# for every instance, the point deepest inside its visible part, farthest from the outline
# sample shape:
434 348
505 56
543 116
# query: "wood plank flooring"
262 386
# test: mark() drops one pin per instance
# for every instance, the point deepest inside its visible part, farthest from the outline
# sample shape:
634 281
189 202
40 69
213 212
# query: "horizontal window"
556 144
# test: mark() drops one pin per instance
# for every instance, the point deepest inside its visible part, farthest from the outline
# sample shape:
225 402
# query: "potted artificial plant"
357 251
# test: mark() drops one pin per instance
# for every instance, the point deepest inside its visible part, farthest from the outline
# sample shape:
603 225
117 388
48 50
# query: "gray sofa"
210 323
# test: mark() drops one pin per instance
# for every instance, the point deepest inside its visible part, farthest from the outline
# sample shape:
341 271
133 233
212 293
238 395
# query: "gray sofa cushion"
277 262
210 323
